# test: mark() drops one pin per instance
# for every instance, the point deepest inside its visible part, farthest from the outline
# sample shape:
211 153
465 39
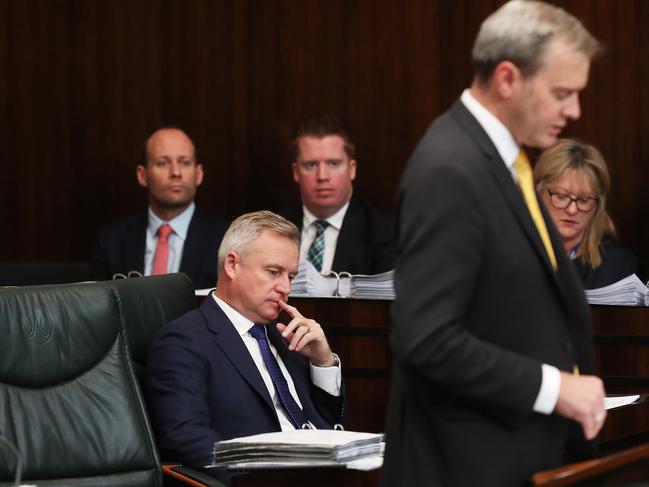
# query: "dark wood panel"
83 83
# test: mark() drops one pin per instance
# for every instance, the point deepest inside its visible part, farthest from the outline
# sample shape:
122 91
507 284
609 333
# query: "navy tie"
316 250
293 411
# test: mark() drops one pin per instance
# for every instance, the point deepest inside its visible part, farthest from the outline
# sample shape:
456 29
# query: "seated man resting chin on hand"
228 369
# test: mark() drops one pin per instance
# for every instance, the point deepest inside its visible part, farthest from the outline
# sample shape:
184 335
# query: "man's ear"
507 79
296 171
231 264
140 173
352 169
200 173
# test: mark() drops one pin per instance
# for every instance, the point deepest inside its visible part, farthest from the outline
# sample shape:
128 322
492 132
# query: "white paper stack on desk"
310 283
629 291
300 449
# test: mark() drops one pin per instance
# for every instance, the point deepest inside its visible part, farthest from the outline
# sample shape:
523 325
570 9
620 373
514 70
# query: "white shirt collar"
335 220
496 130
240 322
180 224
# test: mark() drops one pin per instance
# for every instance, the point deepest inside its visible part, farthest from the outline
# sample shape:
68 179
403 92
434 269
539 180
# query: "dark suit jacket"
478 310
366 240
203 386
121 244
618 262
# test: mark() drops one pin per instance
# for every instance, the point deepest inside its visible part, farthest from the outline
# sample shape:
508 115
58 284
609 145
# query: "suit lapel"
136 233
195 244
507 187
227 338
349 237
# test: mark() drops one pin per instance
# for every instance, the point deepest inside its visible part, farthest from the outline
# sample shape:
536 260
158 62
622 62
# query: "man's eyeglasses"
561 201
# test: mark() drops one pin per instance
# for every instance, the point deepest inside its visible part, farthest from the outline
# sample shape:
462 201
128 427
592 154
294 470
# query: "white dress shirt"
331 235
180 225
326 378
508 149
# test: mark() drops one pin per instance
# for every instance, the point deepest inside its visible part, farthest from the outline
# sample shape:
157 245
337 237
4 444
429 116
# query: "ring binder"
129 275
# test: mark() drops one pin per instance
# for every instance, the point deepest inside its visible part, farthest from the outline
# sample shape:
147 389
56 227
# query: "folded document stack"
310 283
629 291
300 449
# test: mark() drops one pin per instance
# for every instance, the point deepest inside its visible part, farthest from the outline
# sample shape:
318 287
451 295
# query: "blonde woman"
574 182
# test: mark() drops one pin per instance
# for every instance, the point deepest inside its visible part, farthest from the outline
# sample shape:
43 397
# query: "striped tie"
316 251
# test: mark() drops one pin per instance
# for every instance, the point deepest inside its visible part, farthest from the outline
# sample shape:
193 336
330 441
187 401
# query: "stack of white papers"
612 402
630 291
378 286
310 283
301 448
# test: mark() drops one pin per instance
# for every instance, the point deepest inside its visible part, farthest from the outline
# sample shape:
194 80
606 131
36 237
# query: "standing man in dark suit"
339 231
174 235
228 369
491 336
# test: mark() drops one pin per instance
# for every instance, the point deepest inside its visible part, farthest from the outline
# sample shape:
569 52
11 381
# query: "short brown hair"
572 154
320 126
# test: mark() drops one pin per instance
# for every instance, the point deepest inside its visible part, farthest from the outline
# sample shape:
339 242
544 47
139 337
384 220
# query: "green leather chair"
69 396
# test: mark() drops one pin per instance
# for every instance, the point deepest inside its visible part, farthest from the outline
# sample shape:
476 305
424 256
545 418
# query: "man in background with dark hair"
340 232
173 235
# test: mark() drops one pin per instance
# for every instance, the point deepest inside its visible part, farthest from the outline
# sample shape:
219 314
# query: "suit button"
568 346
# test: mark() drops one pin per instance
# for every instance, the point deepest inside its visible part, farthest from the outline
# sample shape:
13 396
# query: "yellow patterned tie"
526 183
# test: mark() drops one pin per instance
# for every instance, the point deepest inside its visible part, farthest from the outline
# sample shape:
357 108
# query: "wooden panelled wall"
83 82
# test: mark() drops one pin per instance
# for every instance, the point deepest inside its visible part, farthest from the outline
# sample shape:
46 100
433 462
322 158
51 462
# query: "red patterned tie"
161 258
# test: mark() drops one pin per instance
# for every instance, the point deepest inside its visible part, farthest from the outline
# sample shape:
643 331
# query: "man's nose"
174 169
573 109
322 171
284 285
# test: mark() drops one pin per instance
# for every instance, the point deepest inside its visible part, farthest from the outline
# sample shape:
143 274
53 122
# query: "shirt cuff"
549 392
327 378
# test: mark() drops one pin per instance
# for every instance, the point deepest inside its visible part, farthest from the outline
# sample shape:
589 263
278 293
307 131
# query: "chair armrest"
591 469
190 476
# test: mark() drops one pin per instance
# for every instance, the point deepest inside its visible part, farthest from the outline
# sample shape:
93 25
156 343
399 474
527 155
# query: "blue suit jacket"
203 386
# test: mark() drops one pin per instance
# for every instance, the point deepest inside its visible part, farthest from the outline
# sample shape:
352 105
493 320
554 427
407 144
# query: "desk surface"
308 477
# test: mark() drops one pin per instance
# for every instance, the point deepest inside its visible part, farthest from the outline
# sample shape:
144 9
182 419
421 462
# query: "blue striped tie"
293 410
316 251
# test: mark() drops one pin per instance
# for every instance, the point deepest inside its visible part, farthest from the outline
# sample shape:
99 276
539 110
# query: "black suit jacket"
366 240
121 244
618 262
478 310
203 386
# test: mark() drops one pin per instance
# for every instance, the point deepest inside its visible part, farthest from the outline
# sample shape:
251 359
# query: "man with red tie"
173 235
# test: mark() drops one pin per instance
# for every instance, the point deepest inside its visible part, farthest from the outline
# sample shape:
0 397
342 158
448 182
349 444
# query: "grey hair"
244 230
520 32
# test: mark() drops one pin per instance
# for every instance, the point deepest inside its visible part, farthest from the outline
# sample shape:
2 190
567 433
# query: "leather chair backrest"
147 303
69 397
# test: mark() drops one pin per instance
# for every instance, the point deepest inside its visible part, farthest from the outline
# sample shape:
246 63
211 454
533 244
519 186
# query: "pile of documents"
301 448
630 291
378 286
310 283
